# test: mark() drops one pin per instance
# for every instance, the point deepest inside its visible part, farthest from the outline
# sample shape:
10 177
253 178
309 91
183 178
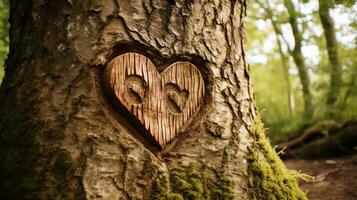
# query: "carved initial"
162 102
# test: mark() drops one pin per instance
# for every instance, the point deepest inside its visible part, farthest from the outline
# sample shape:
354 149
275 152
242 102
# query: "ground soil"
335 178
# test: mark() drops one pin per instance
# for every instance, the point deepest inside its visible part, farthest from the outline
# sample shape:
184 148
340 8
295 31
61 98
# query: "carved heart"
162 102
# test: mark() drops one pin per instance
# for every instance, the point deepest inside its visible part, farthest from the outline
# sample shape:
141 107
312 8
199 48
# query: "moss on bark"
270 178
161 190
187 182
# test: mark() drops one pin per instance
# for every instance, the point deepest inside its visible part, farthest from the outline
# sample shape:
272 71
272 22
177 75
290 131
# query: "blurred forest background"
303 61
4 34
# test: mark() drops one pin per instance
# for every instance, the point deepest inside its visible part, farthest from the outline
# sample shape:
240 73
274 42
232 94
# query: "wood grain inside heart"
162 102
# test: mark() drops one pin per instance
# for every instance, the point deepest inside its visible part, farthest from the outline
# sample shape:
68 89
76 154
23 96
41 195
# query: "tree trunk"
334 61
284 60
299 60
284 64
63 138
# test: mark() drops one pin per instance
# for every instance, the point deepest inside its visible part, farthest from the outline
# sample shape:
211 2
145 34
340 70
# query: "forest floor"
335 178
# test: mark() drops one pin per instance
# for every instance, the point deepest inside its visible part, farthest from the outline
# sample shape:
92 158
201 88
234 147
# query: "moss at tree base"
270 178
188 183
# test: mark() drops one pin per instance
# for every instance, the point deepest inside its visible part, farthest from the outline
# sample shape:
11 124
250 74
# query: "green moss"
187 182
271 179
161 190
223 189
148 169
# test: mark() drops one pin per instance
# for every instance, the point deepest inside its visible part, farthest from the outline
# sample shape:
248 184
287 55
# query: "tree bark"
334 61
299 60
61 138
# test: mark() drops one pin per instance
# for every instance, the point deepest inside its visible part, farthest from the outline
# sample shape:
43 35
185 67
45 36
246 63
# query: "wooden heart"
163 103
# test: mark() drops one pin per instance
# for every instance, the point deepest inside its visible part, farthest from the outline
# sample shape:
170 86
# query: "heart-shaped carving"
162 102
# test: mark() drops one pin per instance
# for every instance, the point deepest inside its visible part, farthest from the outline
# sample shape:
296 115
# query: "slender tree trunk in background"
284 61
284 64
334 61
351 87
299 60
61 138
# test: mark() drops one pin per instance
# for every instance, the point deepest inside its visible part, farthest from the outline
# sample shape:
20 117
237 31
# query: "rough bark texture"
296 53
334 61
60 138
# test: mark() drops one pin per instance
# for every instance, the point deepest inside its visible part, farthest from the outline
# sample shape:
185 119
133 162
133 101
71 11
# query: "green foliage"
268 76
347 3
4 34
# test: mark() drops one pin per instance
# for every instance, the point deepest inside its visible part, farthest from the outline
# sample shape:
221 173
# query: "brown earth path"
335 178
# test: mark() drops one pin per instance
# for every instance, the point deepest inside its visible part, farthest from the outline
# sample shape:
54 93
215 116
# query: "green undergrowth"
187 182
271 179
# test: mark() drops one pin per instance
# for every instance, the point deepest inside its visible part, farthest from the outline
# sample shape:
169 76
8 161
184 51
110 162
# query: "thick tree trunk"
61 138
299 60
334 61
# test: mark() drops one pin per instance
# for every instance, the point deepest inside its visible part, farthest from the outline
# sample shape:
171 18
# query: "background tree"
268 78
284 60
299 60
334 61
4 36
60 137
